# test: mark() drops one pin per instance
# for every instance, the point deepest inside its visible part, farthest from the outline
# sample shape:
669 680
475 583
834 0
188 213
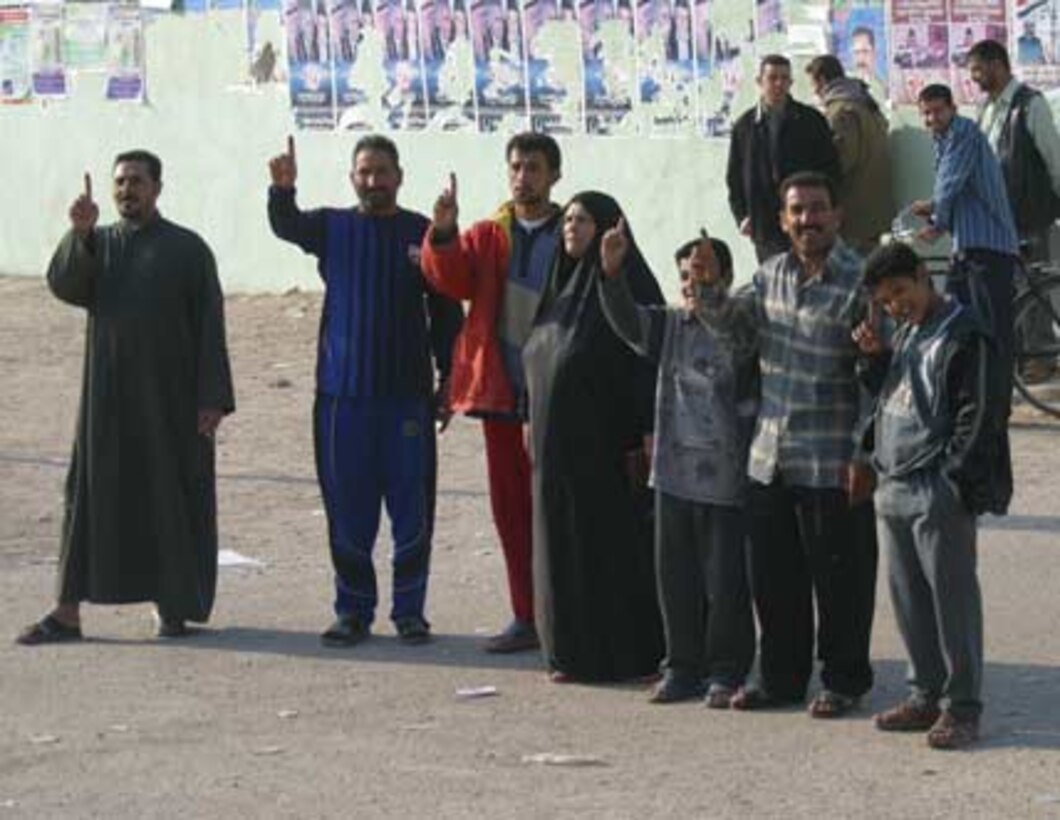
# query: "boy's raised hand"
614 245
867 335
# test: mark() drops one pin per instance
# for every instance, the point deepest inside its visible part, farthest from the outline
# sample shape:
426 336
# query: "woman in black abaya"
591 401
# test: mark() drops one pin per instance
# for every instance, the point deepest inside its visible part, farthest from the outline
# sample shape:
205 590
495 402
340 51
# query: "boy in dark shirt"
931 440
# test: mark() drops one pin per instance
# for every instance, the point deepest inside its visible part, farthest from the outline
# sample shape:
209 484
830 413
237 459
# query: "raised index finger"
88 185
290 146
452 185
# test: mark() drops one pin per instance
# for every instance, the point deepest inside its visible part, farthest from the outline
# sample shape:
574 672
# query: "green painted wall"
215 136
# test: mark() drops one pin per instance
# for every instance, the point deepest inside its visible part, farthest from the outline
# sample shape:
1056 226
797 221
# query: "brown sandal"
829 704
48 629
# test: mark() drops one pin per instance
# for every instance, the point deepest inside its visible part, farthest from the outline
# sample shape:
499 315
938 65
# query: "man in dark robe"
140 521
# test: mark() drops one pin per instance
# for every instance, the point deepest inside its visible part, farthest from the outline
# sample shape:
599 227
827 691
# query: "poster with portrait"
666 68
1035 45
500 66
14 54
970 22
920 47
84 36
555 82
309 69
125 54
608 65
48 71
859 40
448 65
727 70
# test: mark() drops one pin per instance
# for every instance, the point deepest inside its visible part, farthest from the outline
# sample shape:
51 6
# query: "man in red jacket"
501 265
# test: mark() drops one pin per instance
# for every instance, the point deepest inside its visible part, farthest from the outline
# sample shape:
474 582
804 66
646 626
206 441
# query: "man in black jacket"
771 141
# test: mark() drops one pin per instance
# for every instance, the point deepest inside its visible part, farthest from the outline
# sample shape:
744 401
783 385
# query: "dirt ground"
253 718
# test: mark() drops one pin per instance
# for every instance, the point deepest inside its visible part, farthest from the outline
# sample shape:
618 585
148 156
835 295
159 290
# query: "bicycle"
1036 304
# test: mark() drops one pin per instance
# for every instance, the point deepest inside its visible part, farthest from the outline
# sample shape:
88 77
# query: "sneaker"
518 636
413 630
346 631
908 716
953 731
719 696
674 688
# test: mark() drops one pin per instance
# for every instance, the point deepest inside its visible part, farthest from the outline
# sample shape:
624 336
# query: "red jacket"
474 268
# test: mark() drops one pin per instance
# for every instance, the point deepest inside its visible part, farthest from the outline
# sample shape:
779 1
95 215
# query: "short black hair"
377 142
528 142
990 51
864 31
721 253
935 92
809 179
825 67
891 261
778 60
153 163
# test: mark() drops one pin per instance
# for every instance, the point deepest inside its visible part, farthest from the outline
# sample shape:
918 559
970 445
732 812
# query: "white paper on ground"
231 558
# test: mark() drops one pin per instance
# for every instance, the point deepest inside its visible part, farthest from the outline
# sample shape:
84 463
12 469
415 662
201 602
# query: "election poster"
84 36
608 66
666 68
1035 45
500 66
727 86
309 69
125 54
48 71
448 65
555 84
859 41
14 54
404 92
920 47
970 22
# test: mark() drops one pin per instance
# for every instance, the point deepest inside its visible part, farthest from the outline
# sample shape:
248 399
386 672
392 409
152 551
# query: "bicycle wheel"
1036 326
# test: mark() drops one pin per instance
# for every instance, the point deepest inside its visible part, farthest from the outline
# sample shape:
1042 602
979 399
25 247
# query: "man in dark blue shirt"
374 411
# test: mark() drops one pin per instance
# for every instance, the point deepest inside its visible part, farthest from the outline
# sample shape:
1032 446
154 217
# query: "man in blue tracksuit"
374 411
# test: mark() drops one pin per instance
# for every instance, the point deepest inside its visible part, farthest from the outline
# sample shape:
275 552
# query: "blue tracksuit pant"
370 451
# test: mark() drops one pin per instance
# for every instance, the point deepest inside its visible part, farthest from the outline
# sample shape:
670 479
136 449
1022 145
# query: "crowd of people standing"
658 475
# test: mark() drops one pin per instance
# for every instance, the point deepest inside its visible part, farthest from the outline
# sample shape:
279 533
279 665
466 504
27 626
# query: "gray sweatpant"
930 540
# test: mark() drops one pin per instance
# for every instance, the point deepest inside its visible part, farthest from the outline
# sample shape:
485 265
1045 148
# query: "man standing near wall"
1019 125
374 410
140 522
971 204
776 138
859 130
501 265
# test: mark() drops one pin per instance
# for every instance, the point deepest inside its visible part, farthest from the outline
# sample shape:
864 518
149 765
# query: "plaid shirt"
811 400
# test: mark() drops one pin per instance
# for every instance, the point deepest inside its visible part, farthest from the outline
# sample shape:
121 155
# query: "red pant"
509 475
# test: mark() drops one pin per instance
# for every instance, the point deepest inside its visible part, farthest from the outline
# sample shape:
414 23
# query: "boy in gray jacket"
931 442
704 414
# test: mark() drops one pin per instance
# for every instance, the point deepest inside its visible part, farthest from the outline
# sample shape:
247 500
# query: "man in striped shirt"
373 415
812 529
970 202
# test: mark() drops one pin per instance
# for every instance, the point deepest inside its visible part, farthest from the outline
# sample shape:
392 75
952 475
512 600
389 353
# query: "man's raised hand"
284 168
446 209
613 247
84 213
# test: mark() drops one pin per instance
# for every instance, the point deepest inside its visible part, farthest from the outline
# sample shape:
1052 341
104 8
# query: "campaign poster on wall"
14 54
555 84
125 54
970 22
920 47
859 40
728 86
309 71
84 36
399 47
48 71
500 66
666 68
448 65
608 65
1035 45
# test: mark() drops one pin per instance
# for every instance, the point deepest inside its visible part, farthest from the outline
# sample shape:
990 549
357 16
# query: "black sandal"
48 629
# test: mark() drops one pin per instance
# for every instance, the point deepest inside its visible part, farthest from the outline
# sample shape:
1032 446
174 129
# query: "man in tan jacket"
860 133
